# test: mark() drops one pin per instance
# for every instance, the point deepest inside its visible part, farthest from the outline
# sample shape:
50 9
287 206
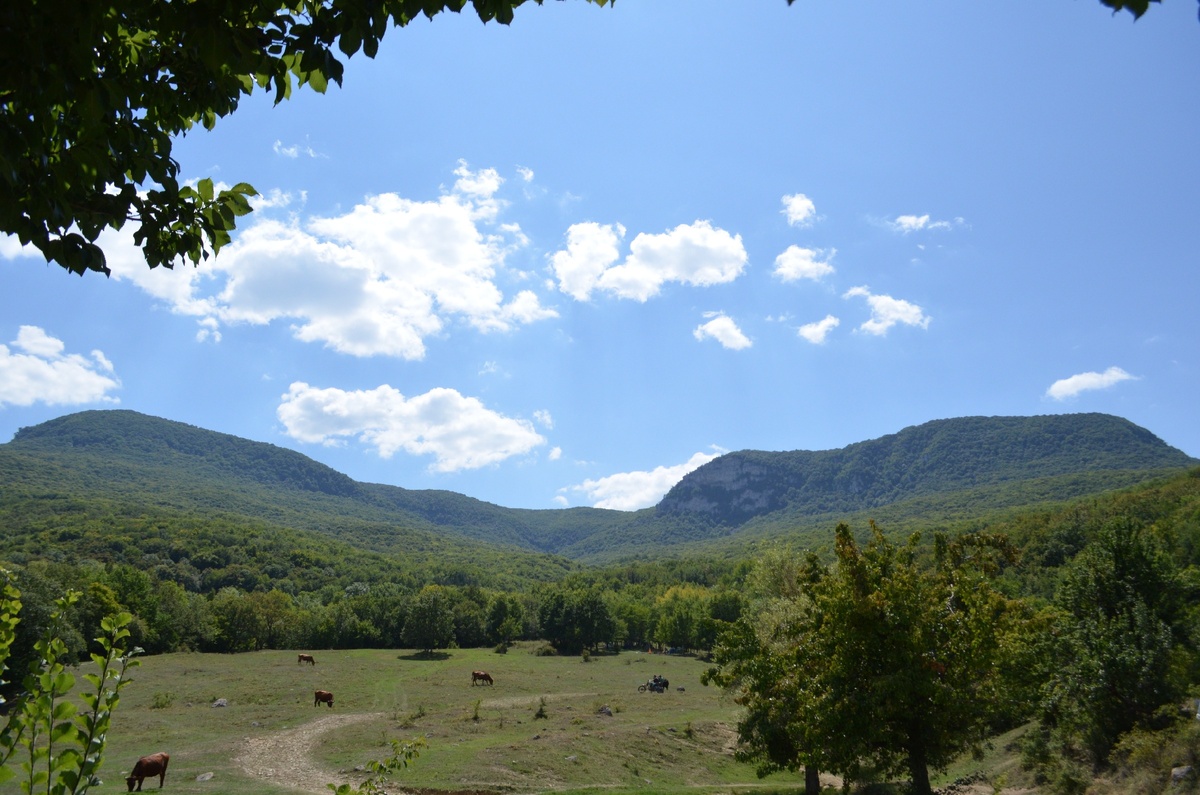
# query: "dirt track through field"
286 758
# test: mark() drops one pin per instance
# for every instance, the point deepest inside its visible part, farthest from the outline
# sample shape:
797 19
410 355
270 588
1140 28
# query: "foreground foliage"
56 748
86 137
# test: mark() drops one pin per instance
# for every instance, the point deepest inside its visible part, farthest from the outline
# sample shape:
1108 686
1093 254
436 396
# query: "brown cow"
481 676
305 658
323 697
149 766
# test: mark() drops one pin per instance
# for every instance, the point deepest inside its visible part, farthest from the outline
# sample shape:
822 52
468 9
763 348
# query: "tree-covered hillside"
121 463
934 458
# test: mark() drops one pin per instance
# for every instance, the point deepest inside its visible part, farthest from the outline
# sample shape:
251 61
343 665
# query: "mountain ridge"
985 462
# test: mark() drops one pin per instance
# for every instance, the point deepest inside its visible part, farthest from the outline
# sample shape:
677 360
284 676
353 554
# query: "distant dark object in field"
657 684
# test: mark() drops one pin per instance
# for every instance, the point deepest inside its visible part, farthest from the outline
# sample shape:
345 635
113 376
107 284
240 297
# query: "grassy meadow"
476 737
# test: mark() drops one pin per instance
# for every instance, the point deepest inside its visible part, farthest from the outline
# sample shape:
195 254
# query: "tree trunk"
918 768
812 780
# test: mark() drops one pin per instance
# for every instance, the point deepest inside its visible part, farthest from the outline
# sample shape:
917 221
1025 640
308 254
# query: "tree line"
576 614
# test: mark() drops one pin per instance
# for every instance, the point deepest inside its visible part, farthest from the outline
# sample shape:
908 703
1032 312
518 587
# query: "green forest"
1074 616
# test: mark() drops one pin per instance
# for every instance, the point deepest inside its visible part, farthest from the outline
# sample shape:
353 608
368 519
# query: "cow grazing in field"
323 697
481 676
148 767
305 658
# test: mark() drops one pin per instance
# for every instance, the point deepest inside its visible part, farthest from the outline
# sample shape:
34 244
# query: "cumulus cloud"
887 312
631 491
554 454
38 370
1070 387
817 332
543 418
799 210
591 249
803 263
294 151
696 254
724 330
905 224
377 280
11 248
458 431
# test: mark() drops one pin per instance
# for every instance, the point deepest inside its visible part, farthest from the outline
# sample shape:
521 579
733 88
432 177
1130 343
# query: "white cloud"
1070 387
554 454
696 254
722 329
460 432
525 173
799 209
543 418
376 280
36 370
887 312
11 248
803 263
591 249
631 491
817 332
915 223
295 150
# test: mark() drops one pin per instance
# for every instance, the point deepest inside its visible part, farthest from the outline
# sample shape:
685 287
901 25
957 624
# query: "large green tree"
430 621
92 96
1120 646
878 663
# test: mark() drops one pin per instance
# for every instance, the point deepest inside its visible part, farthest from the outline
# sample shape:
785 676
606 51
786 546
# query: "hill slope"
934 458
137 465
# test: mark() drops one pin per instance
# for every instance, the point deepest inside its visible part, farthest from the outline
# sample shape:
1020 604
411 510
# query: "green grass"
476 738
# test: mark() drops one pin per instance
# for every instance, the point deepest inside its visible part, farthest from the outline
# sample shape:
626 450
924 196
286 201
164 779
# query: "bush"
543 650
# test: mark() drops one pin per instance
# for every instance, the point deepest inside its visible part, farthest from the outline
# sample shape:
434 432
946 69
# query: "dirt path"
286 758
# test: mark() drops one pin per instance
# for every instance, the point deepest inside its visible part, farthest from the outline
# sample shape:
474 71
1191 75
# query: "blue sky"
563 262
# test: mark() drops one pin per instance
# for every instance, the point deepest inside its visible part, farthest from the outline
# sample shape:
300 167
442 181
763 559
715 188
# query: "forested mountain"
99 468
934 458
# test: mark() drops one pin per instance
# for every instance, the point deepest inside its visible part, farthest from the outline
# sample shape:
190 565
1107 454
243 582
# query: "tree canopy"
86 135
876 663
